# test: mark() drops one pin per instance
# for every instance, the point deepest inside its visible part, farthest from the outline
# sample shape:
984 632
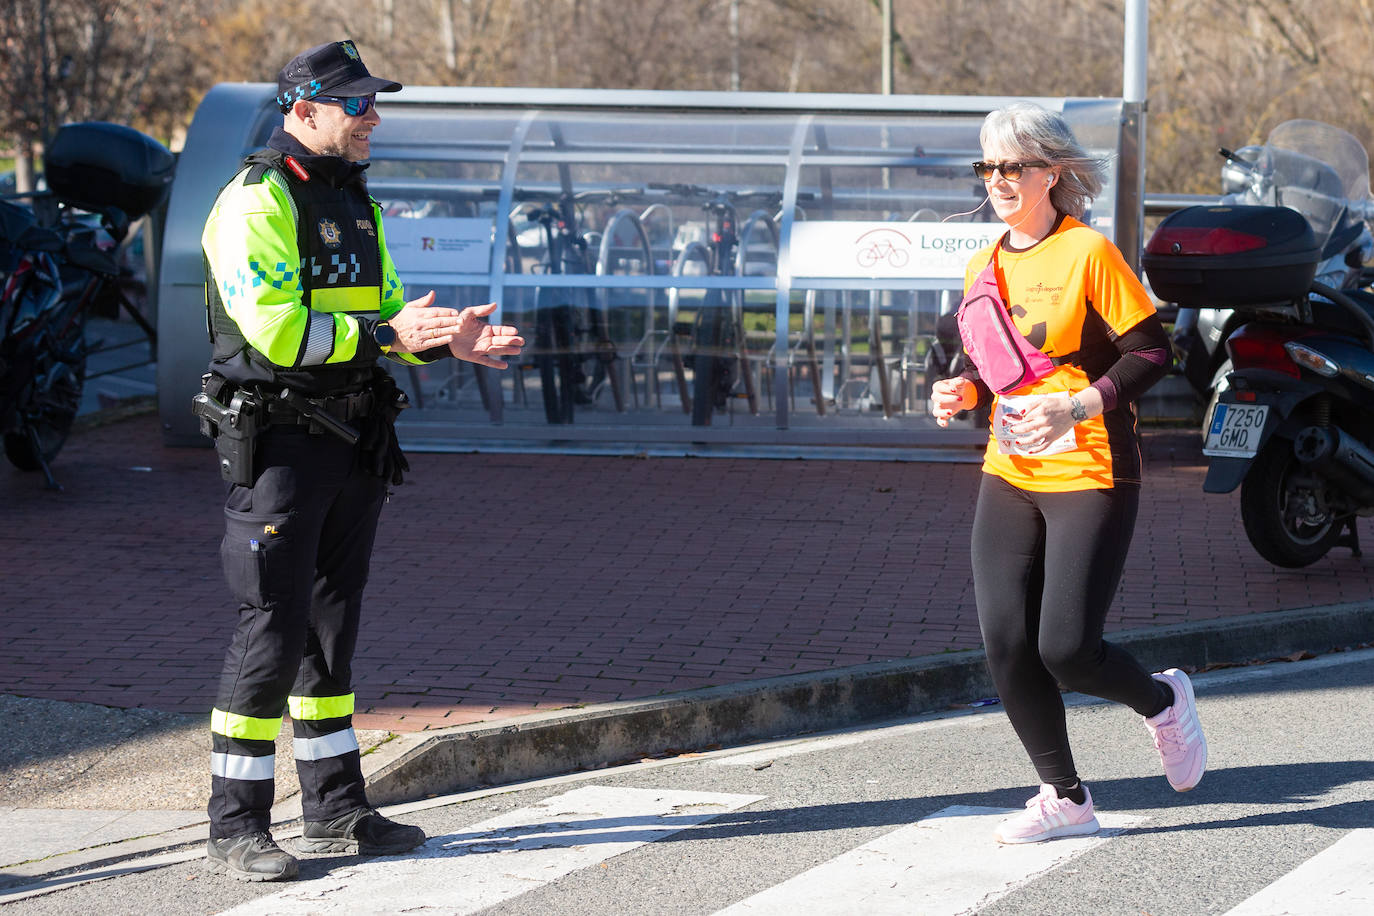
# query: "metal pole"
887 47
1134 97
1133 86
887 79
734 45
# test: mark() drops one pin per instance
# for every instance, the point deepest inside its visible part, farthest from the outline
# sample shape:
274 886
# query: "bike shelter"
693 272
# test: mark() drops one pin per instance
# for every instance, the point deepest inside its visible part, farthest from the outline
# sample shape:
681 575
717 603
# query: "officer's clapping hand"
479 342
420 326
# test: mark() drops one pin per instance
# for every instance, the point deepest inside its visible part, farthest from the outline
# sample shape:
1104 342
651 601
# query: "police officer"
303 299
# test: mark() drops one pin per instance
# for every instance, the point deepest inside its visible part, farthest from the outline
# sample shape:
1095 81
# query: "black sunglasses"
355 105
1012 171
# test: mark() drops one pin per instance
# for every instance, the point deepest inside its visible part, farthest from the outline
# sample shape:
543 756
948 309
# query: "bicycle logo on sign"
882 245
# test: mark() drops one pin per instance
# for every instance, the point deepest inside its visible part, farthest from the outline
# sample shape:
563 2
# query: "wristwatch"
385 335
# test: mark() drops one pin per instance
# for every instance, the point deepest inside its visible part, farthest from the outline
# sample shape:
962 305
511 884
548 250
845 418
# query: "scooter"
53 269
1294 425
1199 334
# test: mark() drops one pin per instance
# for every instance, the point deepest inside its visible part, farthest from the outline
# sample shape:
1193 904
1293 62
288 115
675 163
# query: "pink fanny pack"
1005 359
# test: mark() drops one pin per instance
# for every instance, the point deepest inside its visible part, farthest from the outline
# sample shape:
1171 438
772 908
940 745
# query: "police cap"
334 69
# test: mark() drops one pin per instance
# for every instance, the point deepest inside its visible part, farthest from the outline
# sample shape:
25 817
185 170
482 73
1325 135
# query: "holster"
379 450
234 427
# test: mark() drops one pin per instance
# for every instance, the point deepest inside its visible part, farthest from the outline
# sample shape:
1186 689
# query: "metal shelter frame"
499 149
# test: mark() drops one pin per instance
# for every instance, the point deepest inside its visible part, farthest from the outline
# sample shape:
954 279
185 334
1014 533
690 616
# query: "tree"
78 60
1221 71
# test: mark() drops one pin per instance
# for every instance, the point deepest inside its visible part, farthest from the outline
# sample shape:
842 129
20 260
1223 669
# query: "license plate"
1235 430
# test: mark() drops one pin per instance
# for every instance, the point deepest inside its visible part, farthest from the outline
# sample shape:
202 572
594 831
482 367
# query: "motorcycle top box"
95 165
1232 256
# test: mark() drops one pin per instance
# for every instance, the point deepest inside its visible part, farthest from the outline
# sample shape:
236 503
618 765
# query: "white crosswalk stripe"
943 865
1339 881
505 856
947 863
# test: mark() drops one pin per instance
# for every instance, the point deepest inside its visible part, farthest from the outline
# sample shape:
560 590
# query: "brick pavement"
507 584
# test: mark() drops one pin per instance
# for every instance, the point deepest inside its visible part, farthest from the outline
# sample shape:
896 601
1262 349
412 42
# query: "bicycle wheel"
559 375
50 404
710 367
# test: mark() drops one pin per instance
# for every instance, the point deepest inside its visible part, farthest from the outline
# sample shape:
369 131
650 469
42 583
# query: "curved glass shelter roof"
693 271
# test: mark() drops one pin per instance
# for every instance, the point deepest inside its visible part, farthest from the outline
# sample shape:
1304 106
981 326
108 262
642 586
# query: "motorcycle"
1199 334
1294 423
54 268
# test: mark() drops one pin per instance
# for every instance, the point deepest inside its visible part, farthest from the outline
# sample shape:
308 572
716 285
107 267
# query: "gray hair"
1028 131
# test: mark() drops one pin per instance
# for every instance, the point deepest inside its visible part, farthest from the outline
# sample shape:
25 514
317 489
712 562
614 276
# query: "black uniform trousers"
296 550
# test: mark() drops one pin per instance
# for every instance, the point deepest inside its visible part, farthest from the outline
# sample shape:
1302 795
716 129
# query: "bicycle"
569 328
720 359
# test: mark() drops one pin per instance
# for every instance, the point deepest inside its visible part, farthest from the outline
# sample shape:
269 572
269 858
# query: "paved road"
884 820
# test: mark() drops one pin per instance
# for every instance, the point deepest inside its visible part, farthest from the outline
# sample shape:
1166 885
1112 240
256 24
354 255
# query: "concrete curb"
466 757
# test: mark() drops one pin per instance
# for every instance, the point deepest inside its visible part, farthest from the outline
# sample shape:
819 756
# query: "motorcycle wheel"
1285 508
51 410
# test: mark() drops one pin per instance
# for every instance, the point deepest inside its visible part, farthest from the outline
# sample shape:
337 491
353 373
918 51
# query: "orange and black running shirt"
1073 296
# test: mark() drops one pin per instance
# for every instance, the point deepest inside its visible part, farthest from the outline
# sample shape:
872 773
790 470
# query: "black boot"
252 857
363 831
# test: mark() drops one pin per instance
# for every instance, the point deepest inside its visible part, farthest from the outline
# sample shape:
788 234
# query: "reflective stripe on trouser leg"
328 761
242 770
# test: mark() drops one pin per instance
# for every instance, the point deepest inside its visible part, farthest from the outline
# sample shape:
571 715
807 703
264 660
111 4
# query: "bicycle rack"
671 347
515 265
806 343
621 218
877 363
875 351
746 240
654 210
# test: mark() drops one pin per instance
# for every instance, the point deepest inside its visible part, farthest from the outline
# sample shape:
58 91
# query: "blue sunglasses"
353 106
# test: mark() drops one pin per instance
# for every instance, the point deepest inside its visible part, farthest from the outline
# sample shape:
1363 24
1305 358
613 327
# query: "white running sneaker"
1048 816
1178 734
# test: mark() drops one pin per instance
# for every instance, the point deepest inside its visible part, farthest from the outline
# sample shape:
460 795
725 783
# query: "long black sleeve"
1145 359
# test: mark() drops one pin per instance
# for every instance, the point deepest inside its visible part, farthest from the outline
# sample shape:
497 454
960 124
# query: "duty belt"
344 408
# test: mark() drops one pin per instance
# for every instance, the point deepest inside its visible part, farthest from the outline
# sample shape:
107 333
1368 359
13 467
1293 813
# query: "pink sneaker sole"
1053 833
1048 817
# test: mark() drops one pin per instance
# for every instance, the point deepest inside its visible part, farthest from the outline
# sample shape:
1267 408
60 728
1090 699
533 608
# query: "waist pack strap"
1068 359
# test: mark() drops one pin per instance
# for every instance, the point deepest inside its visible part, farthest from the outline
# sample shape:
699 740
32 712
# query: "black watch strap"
385 336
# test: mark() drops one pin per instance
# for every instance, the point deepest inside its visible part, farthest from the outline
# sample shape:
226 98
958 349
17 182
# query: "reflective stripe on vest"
319 339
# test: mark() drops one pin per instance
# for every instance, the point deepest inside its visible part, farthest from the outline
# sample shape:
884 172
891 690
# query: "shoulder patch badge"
329 233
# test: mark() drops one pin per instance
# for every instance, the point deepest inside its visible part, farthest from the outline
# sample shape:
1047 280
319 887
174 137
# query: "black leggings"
1045 570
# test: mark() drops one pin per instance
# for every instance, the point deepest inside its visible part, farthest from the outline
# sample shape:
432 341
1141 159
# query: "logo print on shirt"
329 233
1039 333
